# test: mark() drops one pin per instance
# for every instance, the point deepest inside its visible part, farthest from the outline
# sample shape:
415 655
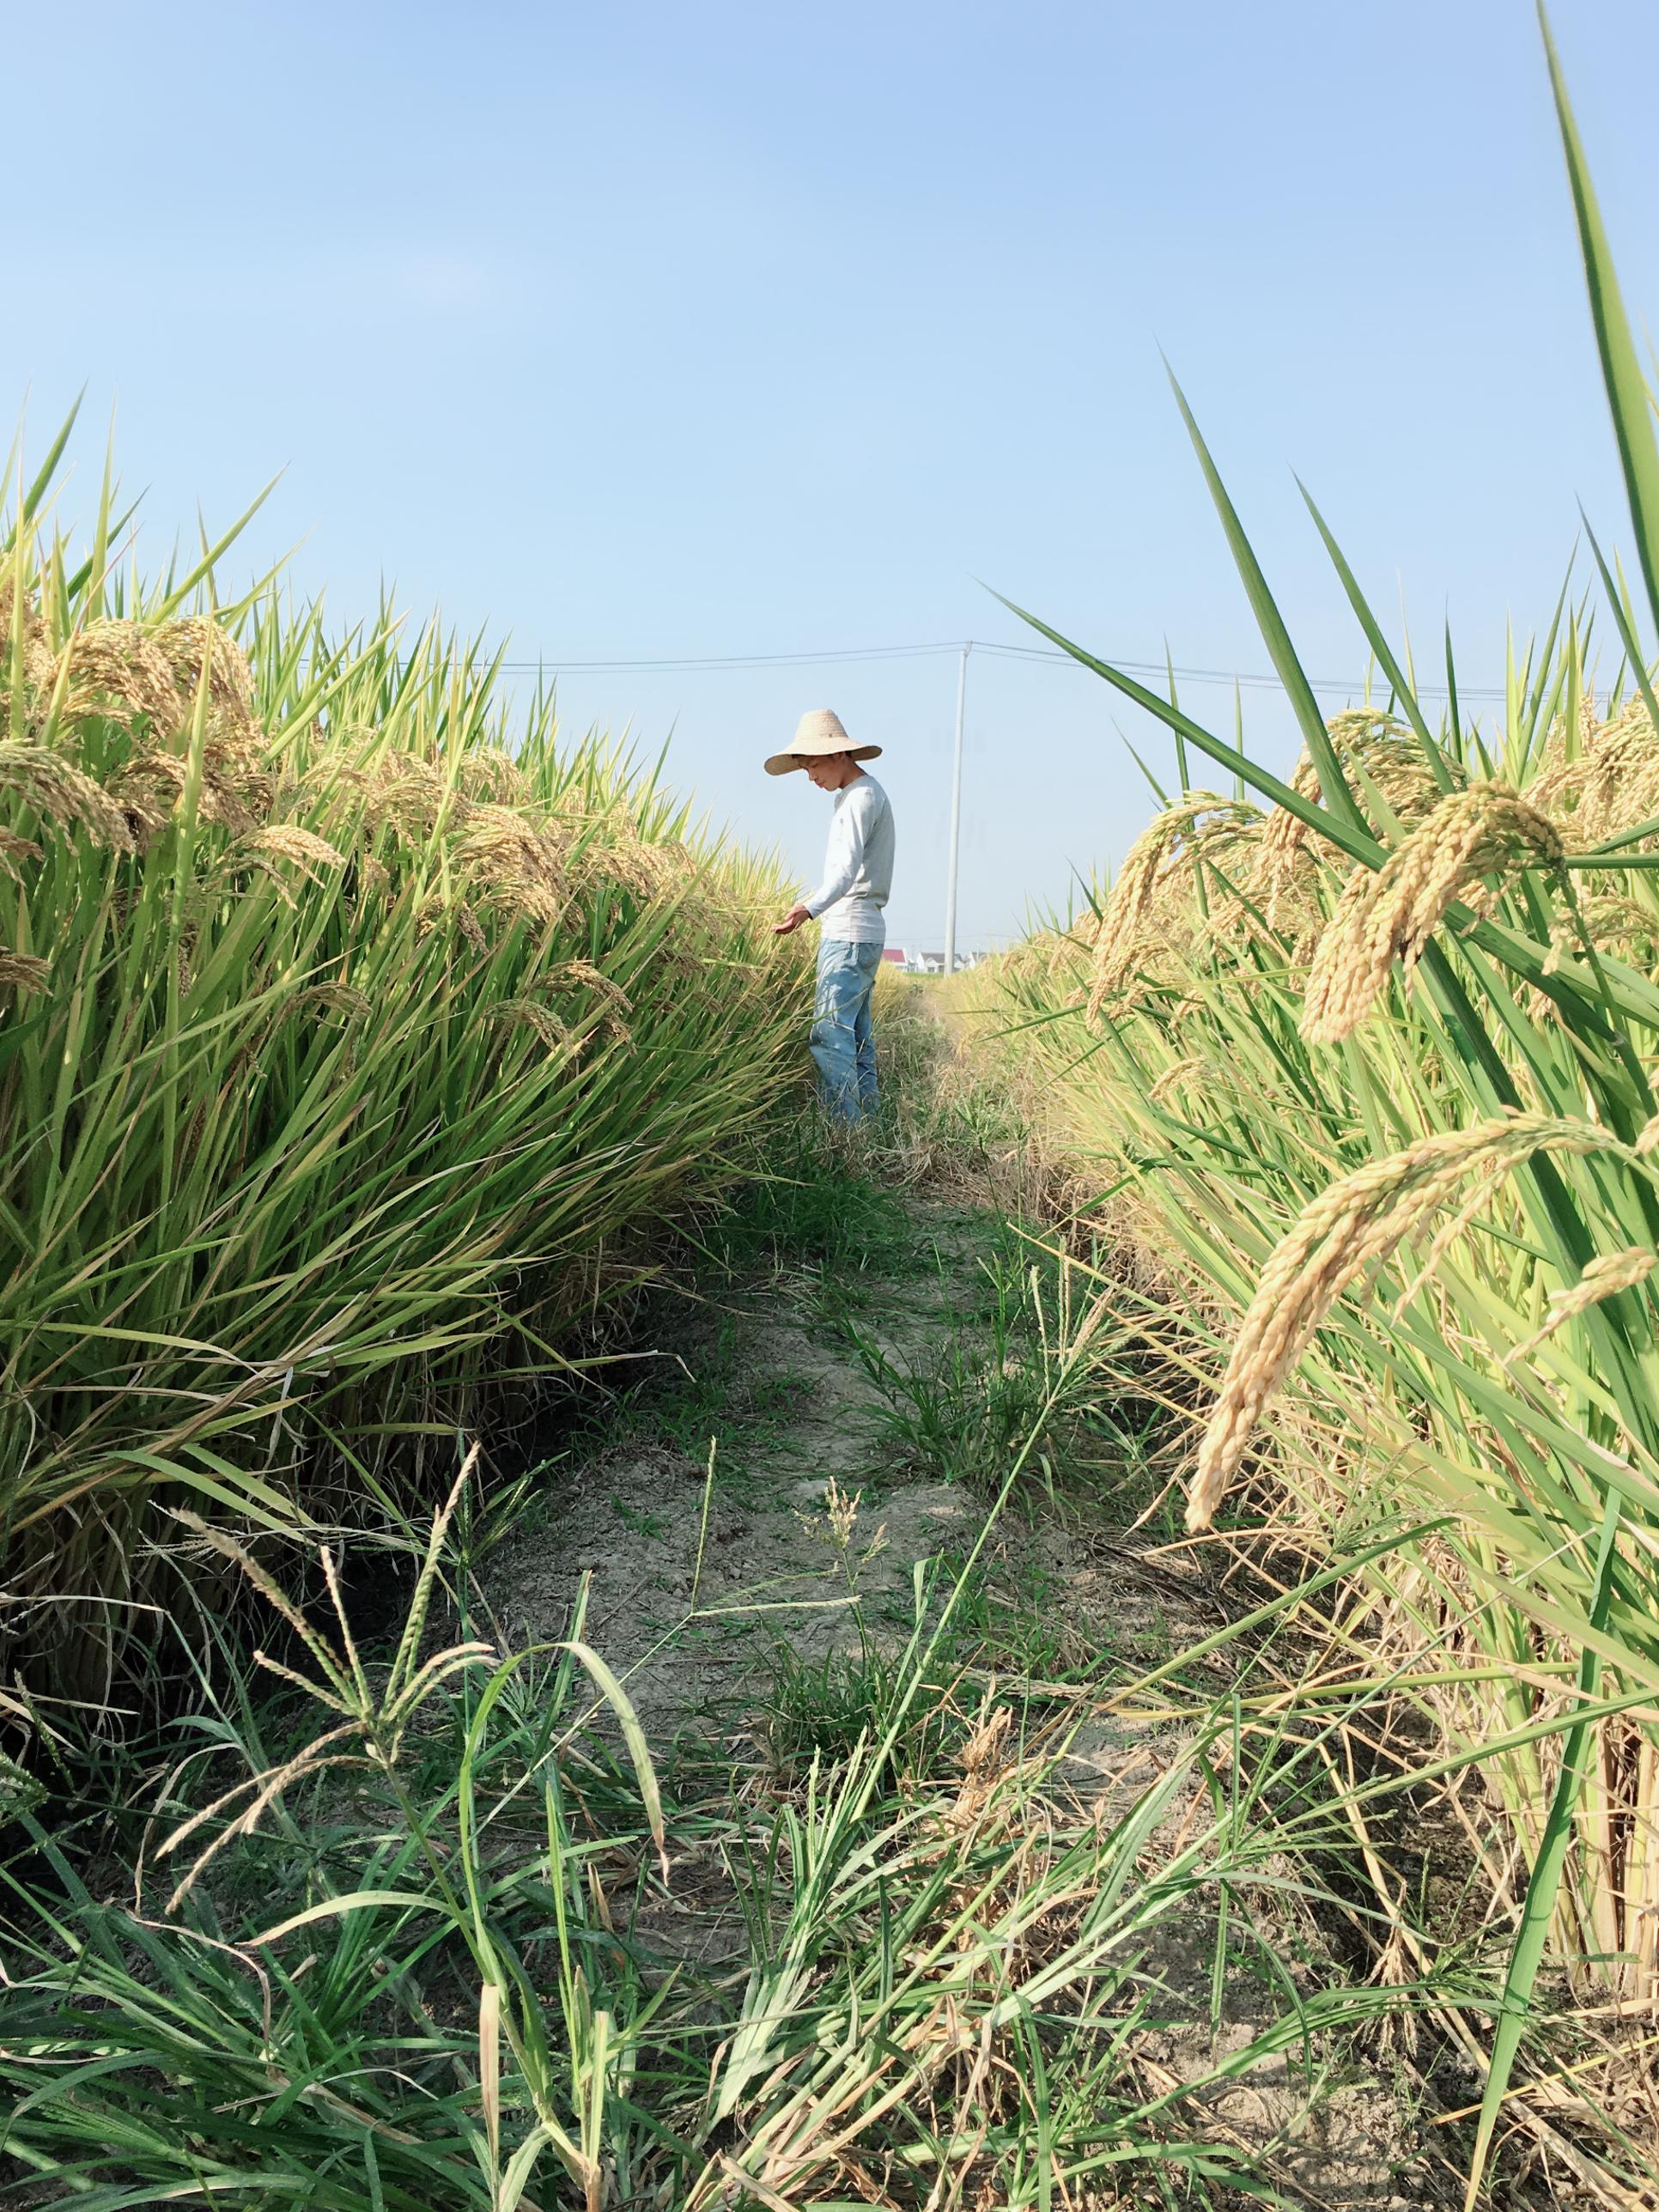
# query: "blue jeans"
844 1043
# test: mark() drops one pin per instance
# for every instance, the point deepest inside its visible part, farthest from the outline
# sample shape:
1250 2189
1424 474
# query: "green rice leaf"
1628 402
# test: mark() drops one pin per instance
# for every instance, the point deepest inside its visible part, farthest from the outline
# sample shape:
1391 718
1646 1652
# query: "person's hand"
791 921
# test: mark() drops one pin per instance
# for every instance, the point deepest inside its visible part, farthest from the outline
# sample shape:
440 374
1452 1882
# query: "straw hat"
820 735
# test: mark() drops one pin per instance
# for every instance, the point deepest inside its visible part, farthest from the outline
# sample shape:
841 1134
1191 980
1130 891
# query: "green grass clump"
350 1022
999 1380
432 1932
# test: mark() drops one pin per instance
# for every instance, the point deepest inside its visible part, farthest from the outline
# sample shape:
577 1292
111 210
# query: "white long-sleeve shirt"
858 866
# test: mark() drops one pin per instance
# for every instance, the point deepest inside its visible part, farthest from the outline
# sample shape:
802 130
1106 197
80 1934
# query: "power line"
670 667
1152 670
1161 673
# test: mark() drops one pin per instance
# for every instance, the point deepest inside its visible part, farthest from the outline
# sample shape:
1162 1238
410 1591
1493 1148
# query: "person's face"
826 771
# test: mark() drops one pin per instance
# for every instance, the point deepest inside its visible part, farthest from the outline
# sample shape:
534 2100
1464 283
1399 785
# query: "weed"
812 1713
1003 1380
817 1201
1011 1618
432 1954
640 1524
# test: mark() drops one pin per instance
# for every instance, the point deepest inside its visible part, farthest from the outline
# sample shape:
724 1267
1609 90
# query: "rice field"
360 1035
1363 1063
365 1041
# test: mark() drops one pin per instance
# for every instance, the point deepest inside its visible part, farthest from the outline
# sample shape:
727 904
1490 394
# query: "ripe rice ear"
1357 1222
22 971
60 794
1391 913
1604 1277
1201 822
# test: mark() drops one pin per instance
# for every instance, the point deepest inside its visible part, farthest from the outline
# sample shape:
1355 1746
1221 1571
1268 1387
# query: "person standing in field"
858 875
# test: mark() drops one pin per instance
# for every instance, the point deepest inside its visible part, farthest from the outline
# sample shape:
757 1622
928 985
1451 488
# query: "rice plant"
1366 1062
353 1023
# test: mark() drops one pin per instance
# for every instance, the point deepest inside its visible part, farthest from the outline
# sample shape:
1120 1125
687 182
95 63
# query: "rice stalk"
352 1013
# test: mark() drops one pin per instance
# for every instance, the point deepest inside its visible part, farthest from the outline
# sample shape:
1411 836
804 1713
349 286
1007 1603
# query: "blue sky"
662 331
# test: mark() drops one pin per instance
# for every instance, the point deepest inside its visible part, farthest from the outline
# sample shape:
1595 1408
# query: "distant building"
924 964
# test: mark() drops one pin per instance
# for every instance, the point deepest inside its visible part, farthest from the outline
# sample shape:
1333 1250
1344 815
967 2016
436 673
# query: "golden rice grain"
184 645
1608 783
1604 1277
556 1035
441 910
590 978
1391 913
231 790
1450 1231
1179 1071
628 865
118 669
22 971
22 630
1384 759
60 793
492 775
1200 824
278 848
522 862
14 849
287 841
1358 1222
1382 752
410 794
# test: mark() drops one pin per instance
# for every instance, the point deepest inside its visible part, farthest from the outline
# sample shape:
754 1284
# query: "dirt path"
710 1530
707 1524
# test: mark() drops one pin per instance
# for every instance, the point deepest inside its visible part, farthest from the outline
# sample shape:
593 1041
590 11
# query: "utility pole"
956 818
